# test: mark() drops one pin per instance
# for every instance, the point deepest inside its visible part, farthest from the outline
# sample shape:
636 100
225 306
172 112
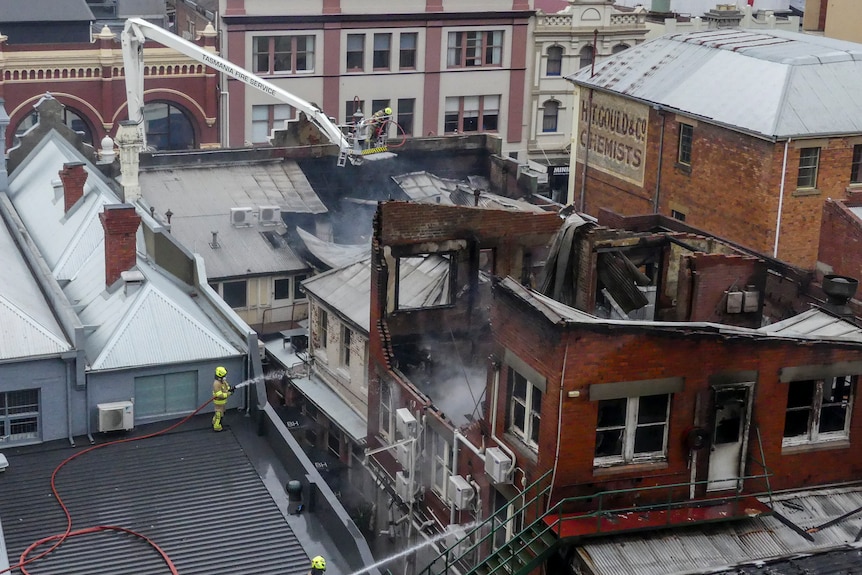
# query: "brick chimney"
121 222
73 177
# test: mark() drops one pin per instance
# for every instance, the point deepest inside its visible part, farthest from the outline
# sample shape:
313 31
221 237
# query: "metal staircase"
518 555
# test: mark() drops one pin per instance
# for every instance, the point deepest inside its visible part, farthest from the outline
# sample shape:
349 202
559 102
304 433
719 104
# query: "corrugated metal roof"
429 188
709 548
346 290
816 323
27 326
195 493
73 245
332 254
201 198
770 82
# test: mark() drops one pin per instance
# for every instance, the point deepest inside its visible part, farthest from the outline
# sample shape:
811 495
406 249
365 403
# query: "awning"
336 409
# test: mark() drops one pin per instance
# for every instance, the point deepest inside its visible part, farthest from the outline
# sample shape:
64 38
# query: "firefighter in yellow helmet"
221 391
318 566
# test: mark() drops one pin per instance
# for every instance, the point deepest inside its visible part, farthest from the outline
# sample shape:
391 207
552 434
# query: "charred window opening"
425 281
386 411
818 410
631 430
729 415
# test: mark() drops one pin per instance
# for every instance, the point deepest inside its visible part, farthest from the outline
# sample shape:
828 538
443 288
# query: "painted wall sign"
616 136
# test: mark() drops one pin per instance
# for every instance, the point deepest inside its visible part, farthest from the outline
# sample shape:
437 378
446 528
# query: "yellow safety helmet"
220 371
387 110
318 563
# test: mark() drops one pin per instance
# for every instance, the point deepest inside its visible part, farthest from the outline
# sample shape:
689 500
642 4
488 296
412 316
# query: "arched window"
168 127
619 48
586 56
550 116
71 118
554 67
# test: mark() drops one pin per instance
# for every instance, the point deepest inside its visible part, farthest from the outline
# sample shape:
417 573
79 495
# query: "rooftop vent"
839 290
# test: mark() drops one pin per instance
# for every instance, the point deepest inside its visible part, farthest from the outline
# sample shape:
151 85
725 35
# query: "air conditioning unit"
261 349
497 465
241 216
405 423
460 491
402 454
750 299
734 301
116 416
269 215
402 486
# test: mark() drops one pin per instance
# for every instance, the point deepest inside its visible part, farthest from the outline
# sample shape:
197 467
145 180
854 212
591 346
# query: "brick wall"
841 238
731 188
599 354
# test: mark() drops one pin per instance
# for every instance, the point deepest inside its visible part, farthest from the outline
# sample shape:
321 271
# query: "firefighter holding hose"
221 391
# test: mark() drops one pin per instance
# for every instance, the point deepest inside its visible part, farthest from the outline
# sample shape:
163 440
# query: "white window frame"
294 51
346 336
813 434
441 462
628 455
266 117
531 411
466 46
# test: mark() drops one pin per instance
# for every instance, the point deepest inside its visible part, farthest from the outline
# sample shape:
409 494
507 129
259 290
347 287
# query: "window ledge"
522 448
627 468
806 192
684 168
815 446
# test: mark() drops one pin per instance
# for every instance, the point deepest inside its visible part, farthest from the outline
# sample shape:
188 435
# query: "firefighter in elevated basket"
221 391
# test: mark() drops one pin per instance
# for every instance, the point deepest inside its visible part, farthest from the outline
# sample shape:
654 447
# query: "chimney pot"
74 176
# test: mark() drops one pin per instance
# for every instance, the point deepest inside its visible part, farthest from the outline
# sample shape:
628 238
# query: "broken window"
632 429
424 281
525 411
346 332
818 410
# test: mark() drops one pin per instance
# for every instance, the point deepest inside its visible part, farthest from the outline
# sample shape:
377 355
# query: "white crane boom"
137 30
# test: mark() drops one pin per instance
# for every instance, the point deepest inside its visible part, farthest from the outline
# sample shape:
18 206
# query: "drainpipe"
69 384
480 452
559 426
655 201
780 198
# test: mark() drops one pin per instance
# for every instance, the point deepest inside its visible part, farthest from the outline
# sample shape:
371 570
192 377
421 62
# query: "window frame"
406 115
295 54
441 462
483 114
586 56
856 165
685 144
809 168
224 285
352 53
346 336
550 122
386 416
525 434
406 54
381 57
11 416
813 435
269 122
629 429
554 61
467 49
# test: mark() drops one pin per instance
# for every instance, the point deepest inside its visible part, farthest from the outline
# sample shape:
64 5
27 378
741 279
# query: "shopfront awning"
333 406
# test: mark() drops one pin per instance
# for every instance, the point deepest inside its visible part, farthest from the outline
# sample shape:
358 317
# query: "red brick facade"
89 80
841 238
581 356
731 187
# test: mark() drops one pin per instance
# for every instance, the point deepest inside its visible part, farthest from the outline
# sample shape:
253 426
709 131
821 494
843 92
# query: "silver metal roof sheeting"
714 547
345 290
772 83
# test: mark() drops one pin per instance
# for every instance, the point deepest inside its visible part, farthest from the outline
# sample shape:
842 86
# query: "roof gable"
132 343
22 336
